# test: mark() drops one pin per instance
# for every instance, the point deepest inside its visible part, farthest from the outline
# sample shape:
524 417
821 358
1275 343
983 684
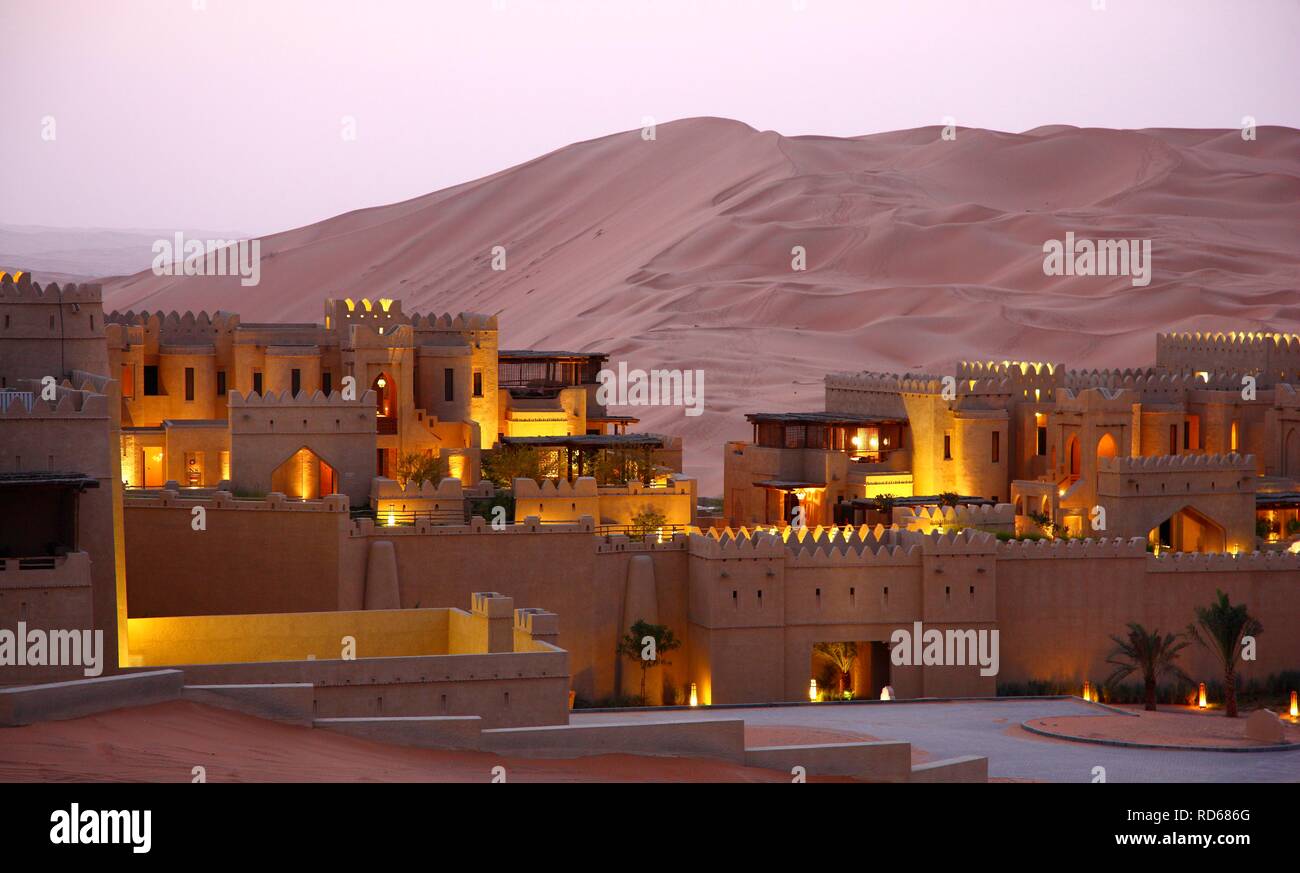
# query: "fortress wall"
613 560
267 430
507 689
550 566
564 501
229 639
50 330
1058 604
1276 357
77 432
256 556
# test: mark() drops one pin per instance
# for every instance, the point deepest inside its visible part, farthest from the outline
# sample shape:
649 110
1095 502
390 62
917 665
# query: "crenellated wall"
268 431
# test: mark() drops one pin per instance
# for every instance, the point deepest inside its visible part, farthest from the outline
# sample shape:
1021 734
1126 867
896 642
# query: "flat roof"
788 484
921 500
547 354
58 479
194 422
820 418
589 441
1277 499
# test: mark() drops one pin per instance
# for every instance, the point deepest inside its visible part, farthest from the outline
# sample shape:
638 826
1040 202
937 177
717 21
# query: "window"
1187 436
221 383
448 384
947 447
997 446
1173 439
1042 440
478 383
326 382
295 381
1232 438
150 381
189 384
257 381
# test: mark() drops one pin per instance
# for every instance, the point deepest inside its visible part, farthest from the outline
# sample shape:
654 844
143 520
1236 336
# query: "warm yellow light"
885 693
1295 708
812 690
1200 698
381 382
392 519
1087 690
695 698
857 442
873 443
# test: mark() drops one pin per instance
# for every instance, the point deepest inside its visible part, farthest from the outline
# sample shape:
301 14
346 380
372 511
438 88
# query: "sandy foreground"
920 252
164 742
1175 726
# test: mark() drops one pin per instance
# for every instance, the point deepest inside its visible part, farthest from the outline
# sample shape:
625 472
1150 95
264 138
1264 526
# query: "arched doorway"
385 403
1188 530
1291 453
304 476
1107 447
1075 454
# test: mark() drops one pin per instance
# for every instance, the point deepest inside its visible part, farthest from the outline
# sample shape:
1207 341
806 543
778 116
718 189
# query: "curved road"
990 728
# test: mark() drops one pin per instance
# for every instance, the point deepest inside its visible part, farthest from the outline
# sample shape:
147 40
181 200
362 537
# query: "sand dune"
921 252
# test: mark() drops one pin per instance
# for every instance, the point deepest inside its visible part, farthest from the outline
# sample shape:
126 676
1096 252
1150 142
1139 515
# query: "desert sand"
676 252
166 741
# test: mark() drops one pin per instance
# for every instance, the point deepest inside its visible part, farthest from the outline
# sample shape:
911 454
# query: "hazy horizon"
154 114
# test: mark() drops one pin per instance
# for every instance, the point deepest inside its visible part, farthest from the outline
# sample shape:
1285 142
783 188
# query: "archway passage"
1291 453
385 403
1107 447
860 668
304 476
1189 531
1076 459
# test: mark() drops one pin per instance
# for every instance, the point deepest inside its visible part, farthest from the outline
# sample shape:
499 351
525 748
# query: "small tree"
418 467
842 657
646 522
949 498
648 652
1220 627
1148 653
884 504
503 465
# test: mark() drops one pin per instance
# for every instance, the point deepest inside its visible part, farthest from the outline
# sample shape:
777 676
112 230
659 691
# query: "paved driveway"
947 730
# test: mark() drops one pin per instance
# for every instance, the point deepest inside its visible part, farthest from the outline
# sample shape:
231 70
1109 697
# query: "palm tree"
841 656
1220 627
1148 653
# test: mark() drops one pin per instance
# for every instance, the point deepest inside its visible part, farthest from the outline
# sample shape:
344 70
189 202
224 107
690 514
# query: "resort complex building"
1192 454
234 501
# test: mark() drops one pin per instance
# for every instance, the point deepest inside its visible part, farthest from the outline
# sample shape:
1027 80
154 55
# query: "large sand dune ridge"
676 252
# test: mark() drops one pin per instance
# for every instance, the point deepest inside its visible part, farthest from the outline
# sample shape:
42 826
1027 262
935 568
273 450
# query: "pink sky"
231 117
